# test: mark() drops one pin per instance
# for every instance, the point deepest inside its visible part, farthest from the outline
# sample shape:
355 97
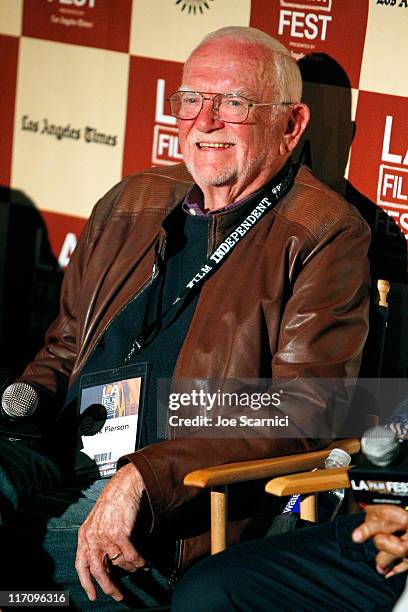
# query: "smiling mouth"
214 145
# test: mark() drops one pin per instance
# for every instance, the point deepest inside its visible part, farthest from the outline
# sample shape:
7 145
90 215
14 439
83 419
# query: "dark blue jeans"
41 518
311 569
23 472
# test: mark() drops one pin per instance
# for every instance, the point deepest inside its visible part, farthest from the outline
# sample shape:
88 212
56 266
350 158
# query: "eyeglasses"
228 107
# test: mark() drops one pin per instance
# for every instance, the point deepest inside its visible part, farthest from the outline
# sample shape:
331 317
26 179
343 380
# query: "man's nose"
207 119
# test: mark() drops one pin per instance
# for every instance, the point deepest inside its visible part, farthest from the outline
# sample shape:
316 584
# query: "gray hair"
287 72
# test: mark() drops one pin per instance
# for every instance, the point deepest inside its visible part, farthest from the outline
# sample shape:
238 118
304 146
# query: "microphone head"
380 446
19 400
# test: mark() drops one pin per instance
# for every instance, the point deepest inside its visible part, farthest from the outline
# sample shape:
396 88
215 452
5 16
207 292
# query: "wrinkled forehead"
228 47
233 63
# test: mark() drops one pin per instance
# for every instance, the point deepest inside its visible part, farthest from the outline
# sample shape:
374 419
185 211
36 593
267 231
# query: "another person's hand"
382 523
104 537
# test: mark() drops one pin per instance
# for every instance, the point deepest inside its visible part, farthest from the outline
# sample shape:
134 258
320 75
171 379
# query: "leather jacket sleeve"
52 366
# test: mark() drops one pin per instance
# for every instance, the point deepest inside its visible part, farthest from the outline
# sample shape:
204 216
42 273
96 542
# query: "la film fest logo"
166 149
103 24
69 16
304 21
194 7
392 190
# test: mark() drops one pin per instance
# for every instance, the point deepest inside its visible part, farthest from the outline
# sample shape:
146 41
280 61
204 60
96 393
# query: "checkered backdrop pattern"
84 84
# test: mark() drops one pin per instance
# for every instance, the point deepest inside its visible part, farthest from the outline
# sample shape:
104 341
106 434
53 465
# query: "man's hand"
381 523
104 537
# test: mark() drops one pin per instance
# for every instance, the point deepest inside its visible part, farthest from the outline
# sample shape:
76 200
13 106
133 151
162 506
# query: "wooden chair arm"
309 482
219 477
230 473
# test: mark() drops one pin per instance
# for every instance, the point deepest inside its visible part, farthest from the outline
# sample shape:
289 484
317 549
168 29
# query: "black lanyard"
219 255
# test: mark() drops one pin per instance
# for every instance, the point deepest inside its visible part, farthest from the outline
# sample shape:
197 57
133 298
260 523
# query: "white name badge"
110 412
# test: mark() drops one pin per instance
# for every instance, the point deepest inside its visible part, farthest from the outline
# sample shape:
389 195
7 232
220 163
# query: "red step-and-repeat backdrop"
83 85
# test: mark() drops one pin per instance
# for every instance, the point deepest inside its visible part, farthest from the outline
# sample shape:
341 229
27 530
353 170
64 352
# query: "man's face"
240 157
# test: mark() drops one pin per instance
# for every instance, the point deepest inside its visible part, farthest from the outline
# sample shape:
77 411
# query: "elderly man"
289 301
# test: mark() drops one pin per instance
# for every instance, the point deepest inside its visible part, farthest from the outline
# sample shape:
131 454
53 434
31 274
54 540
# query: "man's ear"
297 122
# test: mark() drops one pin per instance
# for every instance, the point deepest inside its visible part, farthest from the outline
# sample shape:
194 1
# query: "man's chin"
211 179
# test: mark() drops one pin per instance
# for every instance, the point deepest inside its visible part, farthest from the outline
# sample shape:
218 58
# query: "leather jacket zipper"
152 277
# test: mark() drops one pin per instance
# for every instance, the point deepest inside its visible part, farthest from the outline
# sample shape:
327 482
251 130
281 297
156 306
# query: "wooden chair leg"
219 512
308 508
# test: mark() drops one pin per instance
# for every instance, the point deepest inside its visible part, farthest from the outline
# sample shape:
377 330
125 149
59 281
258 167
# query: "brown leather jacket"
296 290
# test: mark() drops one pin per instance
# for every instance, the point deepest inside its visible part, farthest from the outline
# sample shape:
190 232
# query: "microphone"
19 400
381 474
330 500
380 446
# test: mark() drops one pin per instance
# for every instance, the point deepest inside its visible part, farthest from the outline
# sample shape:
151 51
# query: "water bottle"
329 502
